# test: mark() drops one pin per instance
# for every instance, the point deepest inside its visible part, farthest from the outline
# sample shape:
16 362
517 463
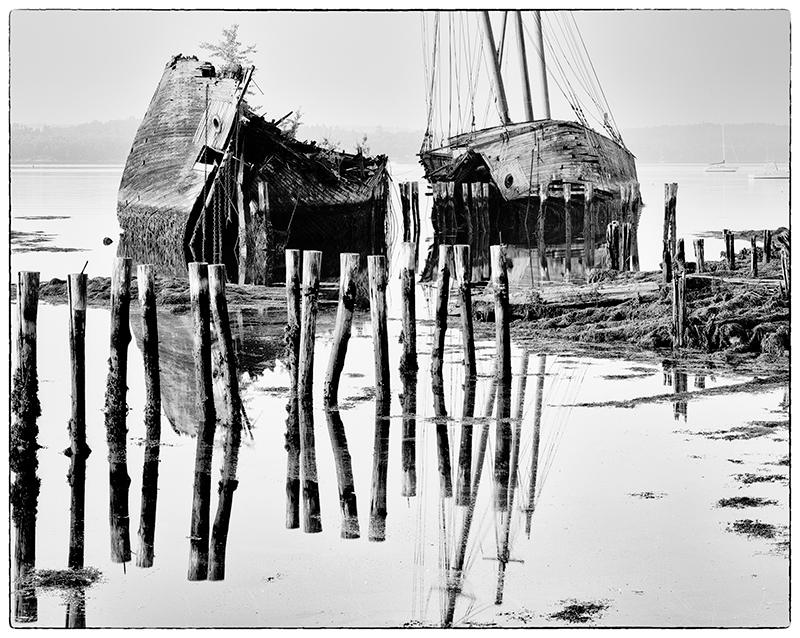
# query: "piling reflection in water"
464 479
409 445
536 438
679 381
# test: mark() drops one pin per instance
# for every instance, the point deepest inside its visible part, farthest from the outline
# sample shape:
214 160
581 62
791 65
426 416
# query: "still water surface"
74 207
624 511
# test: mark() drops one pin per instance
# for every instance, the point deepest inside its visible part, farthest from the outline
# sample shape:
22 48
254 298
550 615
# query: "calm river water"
622 520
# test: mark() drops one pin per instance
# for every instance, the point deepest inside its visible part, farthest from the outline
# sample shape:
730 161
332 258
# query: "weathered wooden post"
378 277
24 493
537 421
767 246
502 315
348 272
699 254
589 211
670 199
206 427
312 519
408 334
442 293
785 271
76 292
753 257
567 232
116 410
463 263
233 432
679 305
730 249
292 339
415 236
612 241
541 248
626 247
635 207
405 209
78 450
145 278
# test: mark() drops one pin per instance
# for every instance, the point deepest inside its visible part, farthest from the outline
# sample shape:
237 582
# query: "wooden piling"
567 232
405 209
23 463
312 519
699 253
635 206
463 267
679 306
408 333
625 248
145 278
670 199
767 246
785 271
540 244
753 257
233 432
612 242
502 314
378 277
415 236
76 292
348 272
442 293
116 410
206 427
730 249
589 212
292 436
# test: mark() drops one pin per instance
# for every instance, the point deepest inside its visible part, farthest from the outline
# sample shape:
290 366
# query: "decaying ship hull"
207 179
548 189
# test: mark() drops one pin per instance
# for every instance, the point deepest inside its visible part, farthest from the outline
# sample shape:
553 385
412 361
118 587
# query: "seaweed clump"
575 612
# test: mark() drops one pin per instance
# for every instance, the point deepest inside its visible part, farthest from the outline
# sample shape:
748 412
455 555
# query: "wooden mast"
542 94
494 68
523 68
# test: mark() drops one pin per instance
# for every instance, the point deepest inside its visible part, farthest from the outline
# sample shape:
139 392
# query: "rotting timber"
546 188
207 179
525 185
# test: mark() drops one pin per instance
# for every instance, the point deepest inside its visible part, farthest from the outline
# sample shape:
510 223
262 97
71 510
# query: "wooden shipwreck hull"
209 180
550 190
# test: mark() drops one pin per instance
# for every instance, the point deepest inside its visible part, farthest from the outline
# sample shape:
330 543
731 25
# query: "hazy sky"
340 68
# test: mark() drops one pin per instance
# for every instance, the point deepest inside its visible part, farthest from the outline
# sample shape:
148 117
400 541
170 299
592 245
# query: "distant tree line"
110 142
91 143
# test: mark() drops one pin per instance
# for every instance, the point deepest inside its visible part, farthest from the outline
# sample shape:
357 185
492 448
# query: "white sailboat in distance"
721 167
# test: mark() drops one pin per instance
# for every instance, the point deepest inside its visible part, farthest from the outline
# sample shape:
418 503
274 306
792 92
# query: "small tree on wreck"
232 53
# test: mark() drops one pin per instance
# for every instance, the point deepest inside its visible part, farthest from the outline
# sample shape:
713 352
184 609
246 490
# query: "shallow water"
624 513
74 207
